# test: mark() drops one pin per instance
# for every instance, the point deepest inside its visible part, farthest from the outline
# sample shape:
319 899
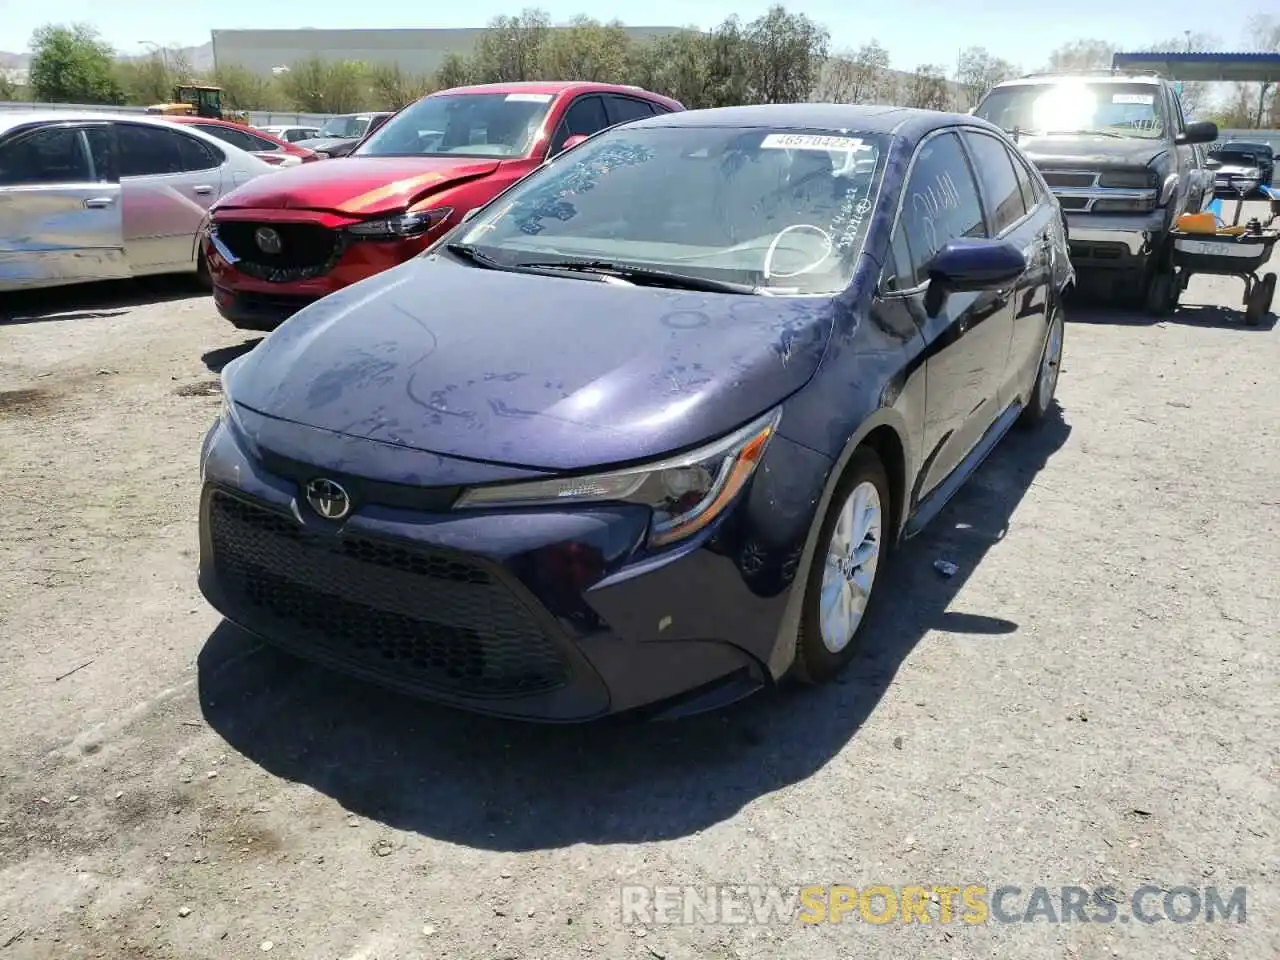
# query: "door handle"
203 189
97 203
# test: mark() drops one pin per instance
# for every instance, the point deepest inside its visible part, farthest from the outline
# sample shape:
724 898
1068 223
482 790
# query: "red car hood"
359 186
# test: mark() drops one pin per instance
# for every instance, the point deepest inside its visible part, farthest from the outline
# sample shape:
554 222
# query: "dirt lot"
1091 700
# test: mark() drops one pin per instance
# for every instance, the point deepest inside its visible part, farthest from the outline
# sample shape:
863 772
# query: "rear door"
968 340
60 209
170 179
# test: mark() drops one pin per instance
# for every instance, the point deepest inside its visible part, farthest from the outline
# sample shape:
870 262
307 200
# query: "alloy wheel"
849 573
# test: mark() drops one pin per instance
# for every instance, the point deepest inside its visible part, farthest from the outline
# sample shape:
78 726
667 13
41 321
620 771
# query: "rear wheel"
1162 293
1042 392
1269 281
853 546
1258 300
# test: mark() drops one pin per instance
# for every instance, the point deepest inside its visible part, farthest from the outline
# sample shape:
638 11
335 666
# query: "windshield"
784 212
347 127
474 124
1107 109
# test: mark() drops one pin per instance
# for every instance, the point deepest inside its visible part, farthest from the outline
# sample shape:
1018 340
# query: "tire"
203 279
1256 303
1040 400
1161 294
1269 281
821 655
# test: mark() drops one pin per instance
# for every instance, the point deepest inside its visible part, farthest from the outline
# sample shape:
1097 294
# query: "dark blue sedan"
642 431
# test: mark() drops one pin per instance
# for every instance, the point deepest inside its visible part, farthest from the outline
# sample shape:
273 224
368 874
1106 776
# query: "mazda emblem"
268 240
328 499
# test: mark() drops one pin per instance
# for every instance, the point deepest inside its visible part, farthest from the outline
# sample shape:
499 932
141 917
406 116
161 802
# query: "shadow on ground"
1096 306
93 301
508 786
215 360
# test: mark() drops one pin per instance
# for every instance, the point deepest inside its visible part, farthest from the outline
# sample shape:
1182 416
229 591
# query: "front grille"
306 249
1066 178
425 618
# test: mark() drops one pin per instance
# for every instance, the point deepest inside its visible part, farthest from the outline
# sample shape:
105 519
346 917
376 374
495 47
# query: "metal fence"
259 118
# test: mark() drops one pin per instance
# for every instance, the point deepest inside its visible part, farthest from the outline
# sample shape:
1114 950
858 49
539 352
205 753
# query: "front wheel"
1040 400
852 548
1162 294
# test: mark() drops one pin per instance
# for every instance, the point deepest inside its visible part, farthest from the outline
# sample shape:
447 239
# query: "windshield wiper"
645 275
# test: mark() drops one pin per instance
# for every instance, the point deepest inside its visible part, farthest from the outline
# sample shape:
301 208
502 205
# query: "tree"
1195 96
242 89
674 65
392 88
455 70
784 55
977 71
8 89
861 76
70 64
926 88
726 66
1263 33
511 49
146 81
315 85
586 50
1082 55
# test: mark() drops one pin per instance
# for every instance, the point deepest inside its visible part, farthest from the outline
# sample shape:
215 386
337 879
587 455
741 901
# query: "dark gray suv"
1120 155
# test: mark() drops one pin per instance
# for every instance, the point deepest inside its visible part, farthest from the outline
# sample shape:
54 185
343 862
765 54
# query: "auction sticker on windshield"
1146 99
528 98
807 141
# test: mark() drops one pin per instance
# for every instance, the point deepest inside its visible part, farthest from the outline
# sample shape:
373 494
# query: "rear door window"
147 151
198 155
940 203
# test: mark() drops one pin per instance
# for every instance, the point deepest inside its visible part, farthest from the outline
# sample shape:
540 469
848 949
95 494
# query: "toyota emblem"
328 499
268 240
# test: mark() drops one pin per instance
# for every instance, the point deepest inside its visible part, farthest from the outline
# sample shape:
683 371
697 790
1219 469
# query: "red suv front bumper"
257 289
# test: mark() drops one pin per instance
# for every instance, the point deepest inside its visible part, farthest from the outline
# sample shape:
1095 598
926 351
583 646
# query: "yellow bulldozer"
198 100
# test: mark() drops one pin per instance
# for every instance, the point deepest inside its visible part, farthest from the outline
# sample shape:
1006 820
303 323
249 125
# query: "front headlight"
685 492
403 225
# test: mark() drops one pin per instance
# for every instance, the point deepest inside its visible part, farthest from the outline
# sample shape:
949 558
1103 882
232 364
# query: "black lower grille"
295 251
1068 178
431 619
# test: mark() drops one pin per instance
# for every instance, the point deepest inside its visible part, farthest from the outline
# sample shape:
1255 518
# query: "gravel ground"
1090 700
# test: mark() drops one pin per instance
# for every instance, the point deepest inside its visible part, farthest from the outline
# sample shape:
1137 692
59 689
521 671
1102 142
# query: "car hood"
1091 152
531 371
324 143
359 186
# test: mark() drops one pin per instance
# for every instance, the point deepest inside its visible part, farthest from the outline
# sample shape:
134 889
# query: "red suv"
274 247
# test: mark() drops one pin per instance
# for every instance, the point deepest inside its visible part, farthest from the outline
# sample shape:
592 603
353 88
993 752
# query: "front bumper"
551 614
1115 241
254 298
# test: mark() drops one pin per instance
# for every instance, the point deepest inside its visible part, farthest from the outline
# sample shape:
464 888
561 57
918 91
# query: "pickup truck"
1124 163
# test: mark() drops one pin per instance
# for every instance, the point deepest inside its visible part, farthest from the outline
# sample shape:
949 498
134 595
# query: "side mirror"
971 265
1202 131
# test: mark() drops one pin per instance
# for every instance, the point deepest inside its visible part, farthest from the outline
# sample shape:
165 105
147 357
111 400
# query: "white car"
292 134
101 196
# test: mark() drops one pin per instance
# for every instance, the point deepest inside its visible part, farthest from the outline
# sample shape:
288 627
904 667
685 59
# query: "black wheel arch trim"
784 647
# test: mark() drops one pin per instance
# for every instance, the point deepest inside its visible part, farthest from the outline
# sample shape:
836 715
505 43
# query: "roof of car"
18 118
1243 145
213 120
555 88
1039 79
818 116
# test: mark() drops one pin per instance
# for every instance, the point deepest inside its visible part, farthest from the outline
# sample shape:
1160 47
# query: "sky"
914 31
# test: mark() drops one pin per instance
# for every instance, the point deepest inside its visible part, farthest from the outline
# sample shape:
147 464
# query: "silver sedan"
100 196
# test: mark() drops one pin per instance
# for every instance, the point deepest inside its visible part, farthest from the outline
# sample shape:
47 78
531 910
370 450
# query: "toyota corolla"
642 431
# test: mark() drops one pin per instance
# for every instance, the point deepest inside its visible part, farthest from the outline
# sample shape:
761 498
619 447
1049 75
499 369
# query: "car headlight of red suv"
401 226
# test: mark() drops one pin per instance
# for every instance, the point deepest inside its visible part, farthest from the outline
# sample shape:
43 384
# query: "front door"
60 211
968 338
